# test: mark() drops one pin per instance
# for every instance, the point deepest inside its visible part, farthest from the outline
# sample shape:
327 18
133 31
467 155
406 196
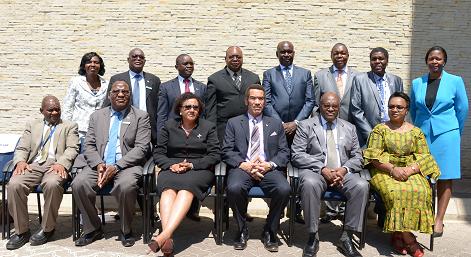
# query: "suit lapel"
36 135
319 131
349 82
244 124
57 136
340 139
125 124
280 77
374 89
330 76
266 130
148 84
231 81
175 87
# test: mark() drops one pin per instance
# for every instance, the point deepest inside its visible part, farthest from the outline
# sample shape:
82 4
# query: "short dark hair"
183 98
401 95
381 50
254 86
438 48
86 58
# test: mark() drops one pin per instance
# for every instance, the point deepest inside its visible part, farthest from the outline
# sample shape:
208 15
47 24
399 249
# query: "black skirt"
195 181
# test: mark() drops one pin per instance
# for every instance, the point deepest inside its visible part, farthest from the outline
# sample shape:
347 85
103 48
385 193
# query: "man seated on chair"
327 153
42 157
256 153
116 146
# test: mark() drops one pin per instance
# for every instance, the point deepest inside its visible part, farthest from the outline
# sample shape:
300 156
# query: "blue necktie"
110 157
380 86
288 80
135 91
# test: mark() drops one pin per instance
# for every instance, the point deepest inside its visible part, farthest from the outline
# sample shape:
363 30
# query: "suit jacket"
224 100
152 96
288 107
309 148
134 138
365 111
66 142
324 81
237 137
169 91
449 110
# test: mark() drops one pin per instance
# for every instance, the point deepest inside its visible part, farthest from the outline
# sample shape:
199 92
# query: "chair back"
8 144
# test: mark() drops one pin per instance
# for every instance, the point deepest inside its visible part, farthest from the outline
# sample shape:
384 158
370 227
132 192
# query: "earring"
180 114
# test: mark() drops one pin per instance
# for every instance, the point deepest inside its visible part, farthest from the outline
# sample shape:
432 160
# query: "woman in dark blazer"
439 106
186 151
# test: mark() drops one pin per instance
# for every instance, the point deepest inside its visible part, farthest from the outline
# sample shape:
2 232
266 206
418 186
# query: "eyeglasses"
134 57
398 107
188 107
117 92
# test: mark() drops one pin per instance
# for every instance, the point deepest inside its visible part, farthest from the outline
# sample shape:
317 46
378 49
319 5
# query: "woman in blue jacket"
439 106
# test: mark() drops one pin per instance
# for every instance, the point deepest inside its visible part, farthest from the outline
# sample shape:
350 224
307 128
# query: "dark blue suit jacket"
288 107
236 141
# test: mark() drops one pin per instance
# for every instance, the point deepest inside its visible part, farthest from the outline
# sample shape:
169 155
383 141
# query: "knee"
15 184
234 189
283 190
51 185
125 189
363 186
311 183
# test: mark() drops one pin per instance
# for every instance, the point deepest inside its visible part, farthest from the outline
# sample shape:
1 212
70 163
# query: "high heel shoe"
398 245
154 246
167 247
438 234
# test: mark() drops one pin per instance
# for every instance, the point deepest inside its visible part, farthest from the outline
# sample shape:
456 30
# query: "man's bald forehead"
233 48
120 83
49 98
328 95
282 43
134 50
339 45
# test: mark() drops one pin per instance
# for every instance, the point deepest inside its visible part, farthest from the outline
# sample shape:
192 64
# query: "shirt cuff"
347 168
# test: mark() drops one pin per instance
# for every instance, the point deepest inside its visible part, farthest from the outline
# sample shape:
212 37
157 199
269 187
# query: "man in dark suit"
226 88
116 146
170 90
289 90
256 153
327 153
338 79
146 83
43 156
370 94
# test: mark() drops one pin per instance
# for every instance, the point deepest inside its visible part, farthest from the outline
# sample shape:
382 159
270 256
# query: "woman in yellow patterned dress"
400 162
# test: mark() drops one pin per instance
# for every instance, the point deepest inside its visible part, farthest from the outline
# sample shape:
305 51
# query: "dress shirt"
80 102
334 131
344 75
260 131
182 84
50 152
142 89
290 68
232 74
118 143
387 94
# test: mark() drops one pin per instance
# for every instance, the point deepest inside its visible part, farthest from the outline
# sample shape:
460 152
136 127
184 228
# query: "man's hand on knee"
21 168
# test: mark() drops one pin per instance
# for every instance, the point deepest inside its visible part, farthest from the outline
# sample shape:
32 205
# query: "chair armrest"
293 172
220 169
149 167
9 166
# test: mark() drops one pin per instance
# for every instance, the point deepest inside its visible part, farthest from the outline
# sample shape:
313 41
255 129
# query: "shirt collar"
112 112
180 79
133 74
282 67
324 122
258 118
345 69
378 77
231 72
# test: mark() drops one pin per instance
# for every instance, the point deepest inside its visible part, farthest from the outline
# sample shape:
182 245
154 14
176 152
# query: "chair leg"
292 212
102 210
145 211
38 197
4 210
363 227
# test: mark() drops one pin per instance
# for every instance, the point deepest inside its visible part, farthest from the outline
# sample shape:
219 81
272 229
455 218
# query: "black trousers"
274 185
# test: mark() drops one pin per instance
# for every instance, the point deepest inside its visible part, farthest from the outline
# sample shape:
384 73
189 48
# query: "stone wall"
43 41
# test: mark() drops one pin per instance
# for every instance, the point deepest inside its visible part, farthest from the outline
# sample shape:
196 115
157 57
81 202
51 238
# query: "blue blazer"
288 107
449 110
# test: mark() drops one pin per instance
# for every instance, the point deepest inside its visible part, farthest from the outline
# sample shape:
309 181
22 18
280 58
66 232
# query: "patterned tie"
339 82
254 141
136 91
332 160
237 80
288 80
110 157
45 149
187 85
380 86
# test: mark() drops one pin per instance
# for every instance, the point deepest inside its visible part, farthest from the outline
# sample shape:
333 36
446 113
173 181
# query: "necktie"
237 80
110 157
339 83
46 141
332 160
380 86
136 91
187 85
254 141
288 80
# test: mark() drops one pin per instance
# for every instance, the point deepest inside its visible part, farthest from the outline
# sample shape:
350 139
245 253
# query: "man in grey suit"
43 156
370 94
289 90
256 153
170 90
116 146
327 153
338 79
146 83
225 93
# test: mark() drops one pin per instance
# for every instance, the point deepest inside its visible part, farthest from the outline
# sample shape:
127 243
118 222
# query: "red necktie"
187 85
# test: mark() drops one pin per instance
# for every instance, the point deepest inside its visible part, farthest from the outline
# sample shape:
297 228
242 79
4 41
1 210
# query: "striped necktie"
254 141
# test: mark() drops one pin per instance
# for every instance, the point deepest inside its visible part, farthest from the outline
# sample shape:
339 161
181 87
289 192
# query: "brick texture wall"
43 41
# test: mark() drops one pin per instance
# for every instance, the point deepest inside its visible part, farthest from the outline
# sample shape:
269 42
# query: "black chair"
105 191
329 195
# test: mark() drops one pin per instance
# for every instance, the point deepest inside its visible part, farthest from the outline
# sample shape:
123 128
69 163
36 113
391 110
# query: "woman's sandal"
398 245
415 249
438 234
154 246
167 247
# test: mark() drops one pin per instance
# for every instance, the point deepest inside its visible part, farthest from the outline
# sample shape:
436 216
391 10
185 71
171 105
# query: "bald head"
51 109
329 106
234 58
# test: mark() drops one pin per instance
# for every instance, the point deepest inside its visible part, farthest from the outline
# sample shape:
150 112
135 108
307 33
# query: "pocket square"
273 134
126 122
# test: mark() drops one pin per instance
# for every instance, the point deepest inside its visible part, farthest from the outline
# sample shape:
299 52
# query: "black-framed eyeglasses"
122 91
188 107
398 107
136 56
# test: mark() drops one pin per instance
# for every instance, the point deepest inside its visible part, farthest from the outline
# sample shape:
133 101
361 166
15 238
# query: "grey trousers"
313 186
84 190
20 186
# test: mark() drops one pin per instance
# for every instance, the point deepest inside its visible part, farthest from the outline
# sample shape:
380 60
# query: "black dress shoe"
347 248
328 218
87 239
127 240
41 237
310 250
240 243
17 241
270 241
